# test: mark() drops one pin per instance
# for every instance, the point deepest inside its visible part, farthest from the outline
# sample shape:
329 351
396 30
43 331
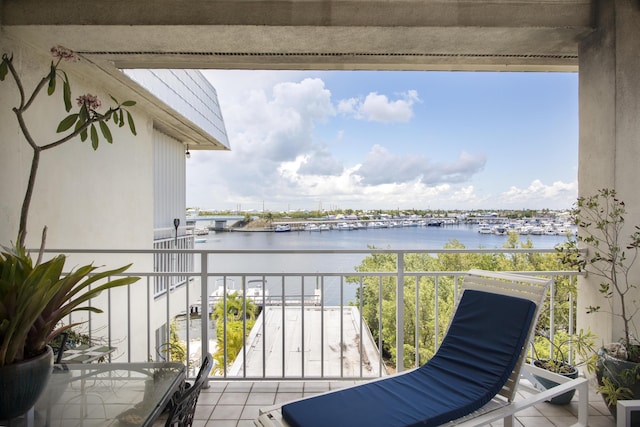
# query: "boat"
484 229
280 228
499 230
200 240
312 227
324 227
256 290
435 223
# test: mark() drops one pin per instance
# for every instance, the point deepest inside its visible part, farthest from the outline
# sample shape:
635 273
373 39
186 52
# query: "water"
405 238
382 238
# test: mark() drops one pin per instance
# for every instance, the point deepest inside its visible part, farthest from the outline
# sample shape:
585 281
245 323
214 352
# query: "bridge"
219 221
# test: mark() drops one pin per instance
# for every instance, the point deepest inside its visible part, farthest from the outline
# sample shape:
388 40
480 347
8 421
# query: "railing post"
204 309
400 312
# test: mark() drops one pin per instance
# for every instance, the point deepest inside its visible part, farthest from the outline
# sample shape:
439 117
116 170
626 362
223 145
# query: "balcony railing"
319 317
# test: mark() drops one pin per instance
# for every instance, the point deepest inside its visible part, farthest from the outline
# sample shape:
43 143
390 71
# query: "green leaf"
128 103
132 125
114 100
52 80
67 122
106 132
83 135
66 95
121 119
94 136
4 69
84 114
115 117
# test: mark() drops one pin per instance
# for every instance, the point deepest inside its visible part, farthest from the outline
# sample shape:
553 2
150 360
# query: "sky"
369 140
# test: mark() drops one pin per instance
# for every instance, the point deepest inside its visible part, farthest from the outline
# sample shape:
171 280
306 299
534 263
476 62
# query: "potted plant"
610 256
563 355
36 295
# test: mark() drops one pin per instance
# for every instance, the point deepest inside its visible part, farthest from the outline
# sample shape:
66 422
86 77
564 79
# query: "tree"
378 294
237 314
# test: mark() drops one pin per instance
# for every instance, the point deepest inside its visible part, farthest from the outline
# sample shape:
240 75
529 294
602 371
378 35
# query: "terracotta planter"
22 383
564 398
611 368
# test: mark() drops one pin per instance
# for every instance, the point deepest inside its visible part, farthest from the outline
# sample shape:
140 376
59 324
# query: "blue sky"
389 140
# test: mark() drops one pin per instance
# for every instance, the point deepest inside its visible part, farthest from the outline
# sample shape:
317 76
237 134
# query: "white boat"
537 230
311 227
499 230
199 240
255 291
484 229
324 227
282 228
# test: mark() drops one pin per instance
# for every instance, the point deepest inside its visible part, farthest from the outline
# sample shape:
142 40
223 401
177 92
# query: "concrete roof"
513 35
308 348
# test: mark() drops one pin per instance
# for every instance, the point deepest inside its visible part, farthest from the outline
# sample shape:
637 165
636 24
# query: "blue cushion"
475 360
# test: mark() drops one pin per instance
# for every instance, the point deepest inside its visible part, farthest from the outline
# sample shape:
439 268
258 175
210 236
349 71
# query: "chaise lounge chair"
472 378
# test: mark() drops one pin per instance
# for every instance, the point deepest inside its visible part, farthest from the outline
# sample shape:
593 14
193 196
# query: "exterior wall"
87 199
112 198
609 151
169 182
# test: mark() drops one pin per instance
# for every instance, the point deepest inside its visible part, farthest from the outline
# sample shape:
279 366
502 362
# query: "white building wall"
87 198
169 184
112 198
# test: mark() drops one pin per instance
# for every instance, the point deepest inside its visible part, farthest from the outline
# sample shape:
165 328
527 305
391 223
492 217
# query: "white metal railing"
172 262
138 319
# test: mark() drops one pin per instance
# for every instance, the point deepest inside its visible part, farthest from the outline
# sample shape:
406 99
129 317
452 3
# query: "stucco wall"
87 198
609 152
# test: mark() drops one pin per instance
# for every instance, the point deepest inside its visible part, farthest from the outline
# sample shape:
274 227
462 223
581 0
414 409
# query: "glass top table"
107 394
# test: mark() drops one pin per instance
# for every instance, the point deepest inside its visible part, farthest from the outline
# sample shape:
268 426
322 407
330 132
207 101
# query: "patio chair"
184 406
471 380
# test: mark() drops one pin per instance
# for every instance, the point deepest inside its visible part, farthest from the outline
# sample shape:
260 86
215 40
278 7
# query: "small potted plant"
554 356
603 251
36 295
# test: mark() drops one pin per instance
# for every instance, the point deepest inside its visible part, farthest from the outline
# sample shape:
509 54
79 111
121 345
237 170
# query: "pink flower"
63 53
90 101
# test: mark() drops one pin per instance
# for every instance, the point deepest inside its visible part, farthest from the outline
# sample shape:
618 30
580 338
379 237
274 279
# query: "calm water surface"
405 238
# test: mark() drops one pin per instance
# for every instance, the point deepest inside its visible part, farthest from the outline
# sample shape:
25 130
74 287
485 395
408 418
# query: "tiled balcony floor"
236 404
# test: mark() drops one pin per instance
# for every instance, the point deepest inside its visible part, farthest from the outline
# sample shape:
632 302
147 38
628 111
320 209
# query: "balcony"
322 338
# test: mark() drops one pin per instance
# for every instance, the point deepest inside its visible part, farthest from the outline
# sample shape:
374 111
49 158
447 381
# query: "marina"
471 236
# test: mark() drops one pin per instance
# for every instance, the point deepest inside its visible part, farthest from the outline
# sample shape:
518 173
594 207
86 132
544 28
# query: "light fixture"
187 154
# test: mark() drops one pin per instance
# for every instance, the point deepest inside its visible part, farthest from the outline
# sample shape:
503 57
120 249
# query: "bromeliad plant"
36 296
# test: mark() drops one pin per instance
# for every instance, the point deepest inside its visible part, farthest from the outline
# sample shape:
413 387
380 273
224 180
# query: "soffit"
312 34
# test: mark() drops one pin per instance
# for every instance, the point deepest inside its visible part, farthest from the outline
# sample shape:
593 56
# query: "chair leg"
508 421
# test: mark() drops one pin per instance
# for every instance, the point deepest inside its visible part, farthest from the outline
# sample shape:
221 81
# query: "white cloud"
378 108
555 196
380 166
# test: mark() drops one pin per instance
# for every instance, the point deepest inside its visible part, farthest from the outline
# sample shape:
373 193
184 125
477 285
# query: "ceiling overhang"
500 35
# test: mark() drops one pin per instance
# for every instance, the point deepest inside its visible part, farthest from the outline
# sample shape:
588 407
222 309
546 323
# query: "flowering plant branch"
82 123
